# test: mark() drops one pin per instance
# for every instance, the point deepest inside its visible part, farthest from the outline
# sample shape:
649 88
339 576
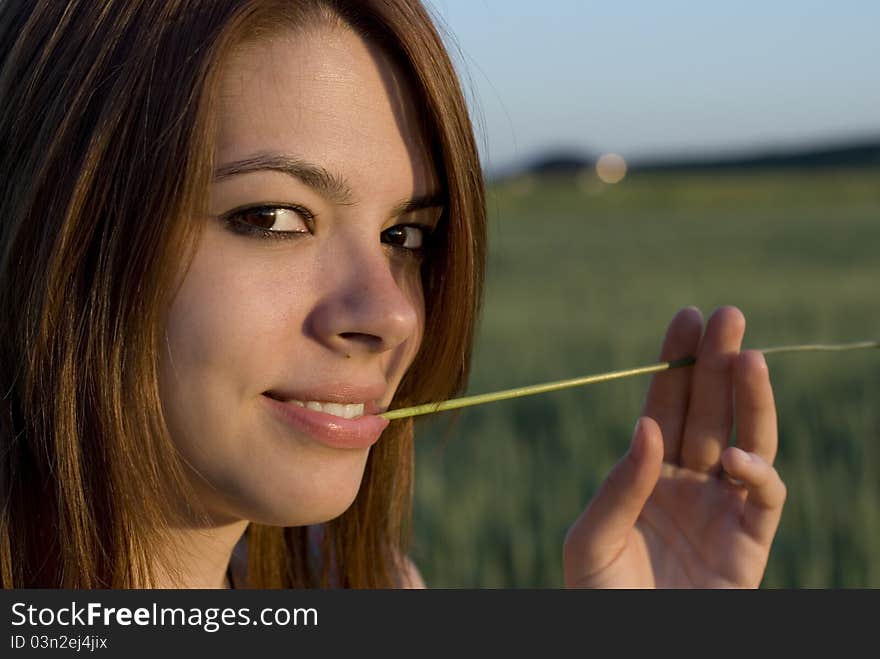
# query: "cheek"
226 321
409 280
213 327
222 333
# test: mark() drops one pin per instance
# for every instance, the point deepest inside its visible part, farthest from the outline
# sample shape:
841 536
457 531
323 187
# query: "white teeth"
346 411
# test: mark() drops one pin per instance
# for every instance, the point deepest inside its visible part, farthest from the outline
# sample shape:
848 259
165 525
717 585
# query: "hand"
682 508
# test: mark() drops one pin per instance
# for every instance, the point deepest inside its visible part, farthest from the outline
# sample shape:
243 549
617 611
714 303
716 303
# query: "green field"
583 278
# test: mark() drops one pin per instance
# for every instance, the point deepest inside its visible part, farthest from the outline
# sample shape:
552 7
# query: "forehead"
327 96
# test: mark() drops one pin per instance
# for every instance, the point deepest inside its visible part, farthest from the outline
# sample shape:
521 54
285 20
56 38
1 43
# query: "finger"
710 411
766 492
755 409
667 398
601 531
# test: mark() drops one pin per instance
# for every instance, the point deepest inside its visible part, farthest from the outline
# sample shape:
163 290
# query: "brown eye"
406 236
269 221
259 217
274 218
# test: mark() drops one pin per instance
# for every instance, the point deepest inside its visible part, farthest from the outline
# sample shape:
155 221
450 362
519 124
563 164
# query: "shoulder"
238 564
409 575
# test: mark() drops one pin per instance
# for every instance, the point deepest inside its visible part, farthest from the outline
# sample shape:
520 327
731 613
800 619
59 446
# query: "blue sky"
665 77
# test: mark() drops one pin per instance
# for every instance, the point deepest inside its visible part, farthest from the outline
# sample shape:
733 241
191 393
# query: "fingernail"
637 449
748 457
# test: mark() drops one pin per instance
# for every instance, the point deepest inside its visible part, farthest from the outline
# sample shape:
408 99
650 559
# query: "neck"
200 557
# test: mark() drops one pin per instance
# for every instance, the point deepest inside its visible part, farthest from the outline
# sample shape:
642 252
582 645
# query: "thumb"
601 531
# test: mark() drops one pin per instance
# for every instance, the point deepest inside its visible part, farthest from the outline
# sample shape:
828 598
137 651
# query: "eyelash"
417 253
245 229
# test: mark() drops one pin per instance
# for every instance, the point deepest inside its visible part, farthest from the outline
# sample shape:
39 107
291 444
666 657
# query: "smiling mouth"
343 410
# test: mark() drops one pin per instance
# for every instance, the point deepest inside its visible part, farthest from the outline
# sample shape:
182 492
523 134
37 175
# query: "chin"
304 504
317 514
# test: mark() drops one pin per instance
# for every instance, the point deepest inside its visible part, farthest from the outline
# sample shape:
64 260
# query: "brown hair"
106 139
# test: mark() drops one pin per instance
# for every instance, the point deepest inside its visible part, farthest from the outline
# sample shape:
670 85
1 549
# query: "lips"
321 414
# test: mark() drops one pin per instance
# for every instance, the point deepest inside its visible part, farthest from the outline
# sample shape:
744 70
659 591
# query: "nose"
371 305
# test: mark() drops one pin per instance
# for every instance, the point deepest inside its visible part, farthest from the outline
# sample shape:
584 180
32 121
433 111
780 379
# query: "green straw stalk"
479 399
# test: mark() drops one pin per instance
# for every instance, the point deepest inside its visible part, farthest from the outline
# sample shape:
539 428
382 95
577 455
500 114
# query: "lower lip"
327 429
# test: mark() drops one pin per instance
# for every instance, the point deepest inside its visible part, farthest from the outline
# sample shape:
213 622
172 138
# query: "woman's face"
303 304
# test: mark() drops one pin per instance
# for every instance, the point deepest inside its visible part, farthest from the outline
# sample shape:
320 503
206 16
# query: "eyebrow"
422 202
328 185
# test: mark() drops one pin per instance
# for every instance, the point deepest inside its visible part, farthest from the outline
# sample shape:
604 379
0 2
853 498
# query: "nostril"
357 342
360 337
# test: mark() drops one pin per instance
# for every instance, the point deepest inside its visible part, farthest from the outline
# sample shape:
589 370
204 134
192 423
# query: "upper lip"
342 393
